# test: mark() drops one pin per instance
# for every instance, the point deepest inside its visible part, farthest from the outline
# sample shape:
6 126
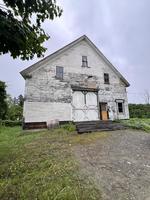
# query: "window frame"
59 72
120 108
120 101
106 78
84 61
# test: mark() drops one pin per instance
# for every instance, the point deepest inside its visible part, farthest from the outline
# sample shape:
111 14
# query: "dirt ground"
118 164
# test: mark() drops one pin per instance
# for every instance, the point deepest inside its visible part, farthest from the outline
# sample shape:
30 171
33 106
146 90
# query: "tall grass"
138 123
41 165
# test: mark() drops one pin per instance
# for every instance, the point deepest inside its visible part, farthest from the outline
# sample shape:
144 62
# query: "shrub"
10 123
69 127
139 110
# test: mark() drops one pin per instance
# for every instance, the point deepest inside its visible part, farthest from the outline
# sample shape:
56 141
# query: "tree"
3 104
20 100
147 97
15 110
20 34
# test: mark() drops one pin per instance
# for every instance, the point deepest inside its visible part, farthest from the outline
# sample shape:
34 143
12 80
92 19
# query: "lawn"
138 123
41 165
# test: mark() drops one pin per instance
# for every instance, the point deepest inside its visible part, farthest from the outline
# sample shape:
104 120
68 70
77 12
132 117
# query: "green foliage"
137 123
10 123
70 127
139 110
41 166
19 33
10 109
15 109
14 112
20 100
3 104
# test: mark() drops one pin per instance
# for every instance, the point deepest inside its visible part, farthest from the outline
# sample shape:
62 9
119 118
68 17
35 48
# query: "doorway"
85 106
103 111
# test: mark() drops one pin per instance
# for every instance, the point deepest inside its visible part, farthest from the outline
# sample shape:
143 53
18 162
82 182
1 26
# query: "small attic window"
84 61
106 78
59 72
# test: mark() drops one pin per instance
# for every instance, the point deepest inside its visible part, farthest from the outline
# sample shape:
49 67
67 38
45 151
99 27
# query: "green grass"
138 123
41 165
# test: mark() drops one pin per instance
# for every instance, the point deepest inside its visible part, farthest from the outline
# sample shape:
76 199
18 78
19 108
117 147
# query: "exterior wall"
109 95
48 98
43 112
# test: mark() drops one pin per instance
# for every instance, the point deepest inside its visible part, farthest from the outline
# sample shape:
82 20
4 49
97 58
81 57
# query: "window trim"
120 107
59 73
123 106
108 79
84 61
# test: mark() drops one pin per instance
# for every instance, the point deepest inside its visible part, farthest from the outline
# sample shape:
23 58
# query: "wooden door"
103 111
92 106
84 106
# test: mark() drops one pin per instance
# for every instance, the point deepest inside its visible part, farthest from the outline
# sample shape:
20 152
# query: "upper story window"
106 78
84 61
59 72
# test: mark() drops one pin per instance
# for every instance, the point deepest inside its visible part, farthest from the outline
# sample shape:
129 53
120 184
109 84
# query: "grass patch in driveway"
88 138
41 165
137 123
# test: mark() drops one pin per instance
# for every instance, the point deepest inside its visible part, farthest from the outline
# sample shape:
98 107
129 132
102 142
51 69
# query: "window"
106 78
59 72
120 107
84 61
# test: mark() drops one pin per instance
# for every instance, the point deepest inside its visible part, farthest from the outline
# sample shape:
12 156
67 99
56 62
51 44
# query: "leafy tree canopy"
19 35
15 108
20 100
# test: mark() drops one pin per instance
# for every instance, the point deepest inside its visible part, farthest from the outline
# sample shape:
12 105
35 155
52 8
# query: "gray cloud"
120 29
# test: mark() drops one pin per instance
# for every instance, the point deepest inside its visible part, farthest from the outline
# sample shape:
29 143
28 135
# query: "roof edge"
108 62
30 68
36 65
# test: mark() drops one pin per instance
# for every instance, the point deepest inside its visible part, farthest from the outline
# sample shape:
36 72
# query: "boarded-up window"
84 61
59 72
106 78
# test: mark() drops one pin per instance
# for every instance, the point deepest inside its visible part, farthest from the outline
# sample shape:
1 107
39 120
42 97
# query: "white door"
84 106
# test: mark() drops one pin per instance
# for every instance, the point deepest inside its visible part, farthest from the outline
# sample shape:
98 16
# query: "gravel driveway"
118 164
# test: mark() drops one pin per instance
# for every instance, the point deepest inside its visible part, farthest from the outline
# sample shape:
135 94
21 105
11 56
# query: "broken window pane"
84 61
106 78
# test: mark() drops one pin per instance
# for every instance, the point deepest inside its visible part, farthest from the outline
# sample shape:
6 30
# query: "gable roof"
37 65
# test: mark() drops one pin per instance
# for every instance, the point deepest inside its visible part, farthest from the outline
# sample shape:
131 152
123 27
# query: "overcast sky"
119 28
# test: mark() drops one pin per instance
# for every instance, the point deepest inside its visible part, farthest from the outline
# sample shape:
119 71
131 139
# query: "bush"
139 110
10 123
69 127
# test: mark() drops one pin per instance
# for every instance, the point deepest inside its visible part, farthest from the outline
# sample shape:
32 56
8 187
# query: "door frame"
85 90
101 110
